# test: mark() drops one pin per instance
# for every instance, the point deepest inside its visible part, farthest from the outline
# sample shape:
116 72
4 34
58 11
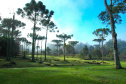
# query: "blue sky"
77 17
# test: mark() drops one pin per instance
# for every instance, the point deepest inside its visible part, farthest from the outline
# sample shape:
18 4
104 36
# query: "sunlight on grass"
57 71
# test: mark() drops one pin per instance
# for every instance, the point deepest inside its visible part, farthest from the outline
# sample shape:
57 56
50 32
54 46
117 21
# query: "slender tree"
85 51
28 43
102 33
24 40
57 44
73 43
48 50
41 38
99 41
49 26
33 11
64 37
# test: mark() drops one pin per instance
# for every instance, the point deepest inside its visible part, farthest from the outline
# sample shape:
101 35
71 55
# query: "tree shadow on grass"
46 76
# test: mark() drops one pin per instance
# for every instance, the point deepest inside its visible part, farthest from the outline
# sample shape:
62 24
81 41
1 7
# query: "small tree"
24 40
64 37
69 49
85 51
97 54
99 41
73 43
49 26
102 33
57 44
27 45
48 50
41 38
60 50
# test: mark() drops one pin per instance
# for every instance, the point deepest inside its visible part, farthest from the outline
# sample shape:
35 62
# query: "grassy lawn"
56 71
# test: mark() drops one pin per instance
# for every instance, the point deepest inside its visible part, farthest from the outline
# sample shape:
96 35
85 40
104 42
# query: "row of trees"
37 13
10 31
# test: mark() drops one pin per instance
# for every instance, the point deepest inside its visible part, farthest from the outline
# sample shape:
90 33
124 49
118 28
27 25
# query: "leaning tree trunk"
114 36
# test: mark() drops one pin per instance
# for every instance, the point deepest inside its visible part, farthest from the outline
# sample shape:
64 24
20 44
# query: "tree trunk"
8 45
46 41
114 36
33 40
102 50
41 53
73 51
11 43
99 45
24 57
57 49
64 49
37 49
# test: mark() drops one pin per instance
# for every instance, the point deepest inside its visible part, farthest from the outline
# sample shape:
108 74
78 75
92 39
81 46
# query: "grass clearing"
25 72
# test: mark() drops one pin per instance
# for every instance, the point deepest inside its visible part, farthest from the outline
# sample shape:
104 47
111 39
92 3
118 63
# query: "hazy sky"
77 17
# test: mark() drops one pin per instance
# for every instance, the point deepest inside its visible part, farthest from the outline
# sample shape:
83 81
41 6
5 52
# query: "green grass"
25 72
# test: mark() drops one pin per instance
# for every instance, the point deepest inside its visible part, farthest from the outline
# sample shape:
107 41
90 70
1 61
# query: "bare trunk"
73 52
64 49
57 49
37 49
33 40
11 45
46 41
41 53
99 45
102 50
114 36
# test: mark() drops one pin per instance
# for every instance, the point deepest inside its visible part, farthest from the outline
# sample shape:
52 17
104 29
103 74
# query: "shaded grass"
25 72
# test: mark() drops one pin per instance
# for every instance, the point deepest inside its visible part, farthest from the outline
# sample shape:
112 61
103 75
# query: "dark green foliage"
84 52
89 56
73 43
90 49
121 46
69 49
57 44
97 54
9 30
48 51
117 7
3 47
